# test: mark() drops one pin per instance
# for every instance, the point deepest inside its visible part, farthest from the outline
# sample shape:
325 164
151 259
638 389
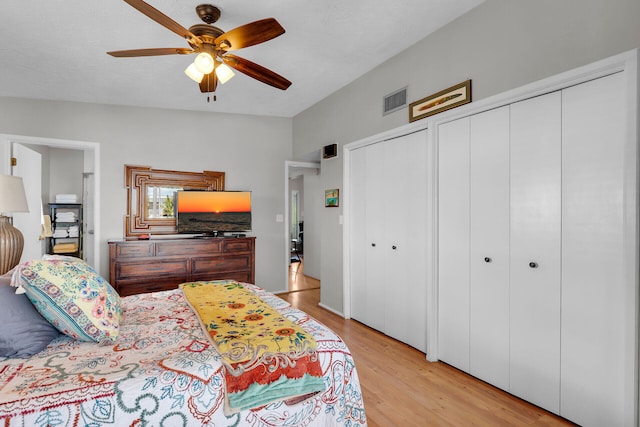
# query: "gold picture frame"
452 97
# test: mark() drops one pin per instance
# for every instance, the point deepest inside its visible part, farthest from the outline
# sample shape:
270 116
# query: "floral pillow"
72 297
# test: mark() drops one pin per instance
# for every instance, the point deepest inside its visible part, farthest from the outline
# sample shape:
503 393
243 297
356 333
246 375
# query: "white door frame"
91 164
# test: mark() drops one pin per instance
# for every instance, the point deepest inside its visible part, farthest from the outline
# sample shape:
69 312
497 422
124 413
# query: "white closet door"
489 246
406 243
453 243
535 250
375 219
358 211
594 387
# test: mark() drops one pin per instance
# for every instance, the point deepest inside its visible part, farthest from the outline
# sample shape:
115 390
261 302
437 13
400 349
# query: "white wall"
251 150
500 45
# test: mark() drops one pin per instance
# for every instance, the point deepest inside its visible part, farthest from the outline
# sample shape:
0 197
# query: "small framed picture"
444 100
332 198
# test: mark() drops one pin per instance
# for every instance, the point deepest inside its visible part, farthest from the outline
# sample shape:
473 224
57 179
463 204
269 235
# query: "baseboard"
331 310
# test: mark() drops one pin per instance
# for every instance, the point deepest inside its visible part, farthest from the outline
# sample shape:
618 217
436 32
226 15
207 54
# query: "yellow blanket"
267 356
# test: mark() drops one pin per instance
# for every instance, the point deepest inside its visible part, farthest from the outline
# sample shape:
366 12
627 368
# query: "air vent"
395 101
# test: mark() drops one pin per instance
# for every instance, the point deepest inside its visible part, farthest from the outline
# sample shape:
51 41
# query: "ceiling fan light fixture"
193 73
224 73
204 63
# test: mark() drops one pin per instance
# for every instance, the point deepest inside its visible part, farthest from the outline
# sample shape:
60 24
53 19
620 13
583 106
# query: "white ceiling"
56 49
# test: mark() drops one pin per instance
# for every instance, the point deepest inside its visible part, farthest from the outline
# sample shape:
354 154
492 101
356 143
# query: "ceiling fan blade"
151 52
256 71
209 83
164 20
250 34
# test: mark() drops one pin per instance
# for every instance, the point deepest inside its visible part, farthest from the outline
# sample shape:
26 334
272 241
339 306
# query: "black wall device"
329 151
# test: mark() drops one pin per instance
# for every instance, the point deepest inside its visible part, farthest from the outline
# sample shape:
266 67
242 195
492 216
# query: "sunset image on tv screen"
213 211
203 201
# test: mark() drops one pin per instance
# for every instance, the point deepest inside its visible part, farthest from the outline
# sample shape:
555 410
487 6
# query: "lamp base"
11 244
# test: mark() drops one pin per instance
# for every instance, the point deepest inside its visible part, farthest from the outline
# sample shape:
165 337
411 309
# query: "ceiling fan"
212 45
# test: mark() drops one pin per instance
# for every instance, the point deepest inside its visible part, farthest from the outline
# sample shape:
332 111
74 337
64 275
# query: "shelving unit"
66 221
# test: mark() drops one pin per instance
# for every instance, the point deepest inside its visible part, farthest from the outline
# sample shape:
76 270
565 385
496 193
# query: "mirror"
159 202
150 197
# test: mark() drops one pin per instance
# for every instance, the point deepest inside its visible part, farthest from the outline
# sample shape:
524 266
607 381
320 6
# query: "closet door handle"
487 259
533 264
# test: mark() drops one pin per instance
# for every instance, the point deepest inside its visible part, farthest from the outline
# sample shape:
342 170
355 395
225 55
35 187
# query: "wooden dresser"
140 266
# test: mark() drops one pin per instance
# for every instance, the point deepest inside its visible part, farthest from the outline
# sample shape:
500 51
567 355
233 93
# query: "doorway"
300 237
90 183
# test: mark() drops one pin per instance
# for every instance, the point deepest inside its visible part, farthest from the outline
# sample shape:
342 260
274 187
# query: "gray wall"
500 45
251 150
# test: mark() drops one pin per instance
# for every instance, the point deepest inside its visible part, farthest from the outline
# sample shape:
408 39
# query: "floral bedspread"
163 371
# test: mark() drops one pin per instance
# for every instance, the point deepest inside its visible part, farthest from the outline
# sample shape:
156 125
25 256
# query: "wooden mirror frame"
138 178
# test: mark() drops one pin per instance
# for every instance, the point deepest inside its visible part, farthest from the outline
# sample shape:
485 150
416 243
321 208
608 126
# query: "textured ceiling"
57 50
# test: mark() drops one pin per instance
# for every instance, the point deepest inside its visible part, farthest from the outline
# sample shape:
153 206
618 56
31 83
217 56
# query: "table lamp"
12 199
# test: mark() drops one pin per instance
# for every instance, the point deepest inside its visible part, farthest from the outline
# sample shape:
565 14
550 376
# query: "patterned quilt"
163 371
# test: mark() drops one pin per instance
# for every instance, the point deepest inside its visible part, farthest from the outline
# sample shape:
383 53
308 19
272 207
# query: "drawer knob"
394 247
373 245
533 264
487 259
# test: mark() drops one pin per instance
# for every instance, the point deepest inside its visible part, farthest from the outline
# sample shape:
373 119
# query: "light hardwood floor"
401 388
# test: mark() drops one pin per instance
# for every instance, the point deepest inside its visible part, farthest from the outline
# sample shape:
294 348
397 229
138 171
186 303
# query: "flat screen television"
213 212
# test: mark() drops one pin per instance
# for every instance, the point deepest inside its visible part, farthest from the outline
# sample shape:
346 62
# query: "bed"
164 370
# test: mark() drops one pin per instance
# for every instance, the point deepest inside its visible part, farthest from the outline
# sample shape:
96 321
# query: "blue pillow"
23 331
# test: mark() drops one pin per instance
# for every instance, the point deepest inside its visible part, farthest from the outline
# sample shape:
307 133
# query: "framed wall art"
332 198
452 97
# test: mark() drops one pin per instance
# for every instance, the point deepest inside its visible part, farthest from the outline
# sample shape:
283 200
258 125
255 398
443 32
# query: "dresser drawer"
134 250
150 269
237 245
187 248
220 263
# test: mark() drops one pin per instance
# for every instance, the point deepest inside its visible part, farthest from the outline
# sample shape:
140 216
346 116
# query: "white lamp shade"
12 194
193 73
224 73
204 63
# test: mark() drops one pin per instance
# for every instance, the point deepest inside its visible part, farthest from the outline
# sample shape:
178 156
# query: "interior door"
358 211
376 189
489 246
29 167
597 339
405 201
453 243
535 250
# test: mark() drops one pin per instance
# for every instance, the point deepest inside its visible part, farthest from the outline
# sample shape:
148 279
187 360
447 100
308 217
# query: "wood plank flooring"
401 388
